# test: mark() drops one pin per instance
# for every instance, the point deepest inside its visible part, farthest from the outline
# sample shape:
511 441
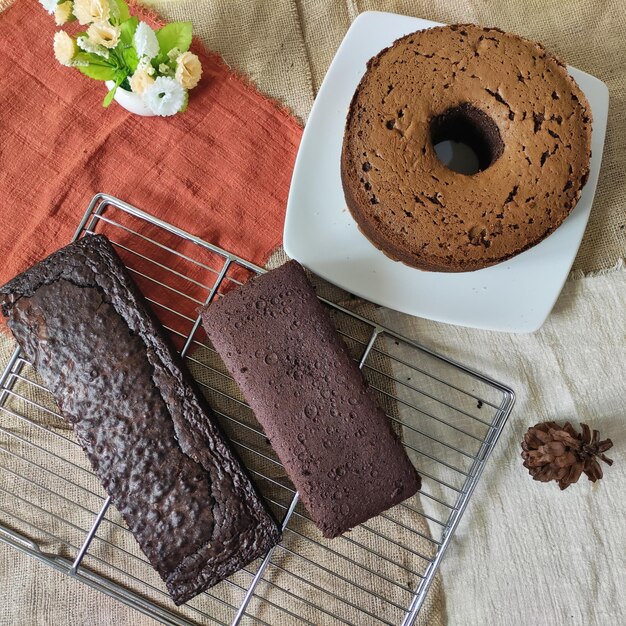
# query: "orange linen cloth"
221 170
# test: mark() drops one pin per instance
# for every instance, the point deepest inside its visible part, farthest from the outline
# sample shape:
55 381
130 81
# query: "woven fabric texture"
221 171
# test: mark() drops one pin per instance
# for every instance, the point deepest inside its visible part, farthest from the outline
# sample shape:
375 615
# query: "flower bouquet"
127 54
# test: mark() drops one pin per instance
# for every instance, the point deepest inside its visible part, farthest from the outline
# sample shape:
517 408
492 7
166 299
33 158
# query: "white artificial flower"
165 96
188 70
84 43
88 11
140 80
104 34
63 13
49 5
145 65
146 42
64 47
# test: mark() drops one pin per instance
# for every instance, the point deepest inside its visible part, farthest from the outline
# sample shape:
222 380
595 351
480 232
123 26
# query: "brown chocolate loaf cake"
135 411
336 444
508 99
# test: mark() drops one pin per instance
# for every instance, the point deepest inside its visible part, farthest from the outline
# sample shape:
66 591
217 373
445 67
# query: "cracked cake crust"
502 94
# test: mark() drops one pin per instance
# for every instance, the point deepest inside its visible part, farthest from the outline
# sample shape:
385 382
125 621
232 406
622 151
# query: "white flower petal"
165 96
145 65
49 5
63 12
146 42
140 81
84 43
89 11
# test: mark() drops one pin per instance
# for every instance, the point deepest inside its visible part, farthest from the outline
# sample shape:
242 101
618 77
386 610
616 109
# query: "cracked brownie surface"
147 432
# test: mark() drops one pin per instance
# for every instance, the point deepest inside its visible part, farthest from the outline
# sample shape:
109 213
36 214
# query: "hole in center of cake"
466 139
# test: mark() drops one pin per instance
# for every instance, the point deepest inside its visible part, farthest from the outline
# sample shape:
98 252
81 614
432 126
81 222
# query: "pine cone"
554 452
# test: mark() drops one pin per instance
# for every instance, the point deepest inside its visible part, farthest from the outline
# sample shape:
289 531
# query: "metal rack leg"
210 297
90 535
8 370
264 564
369 346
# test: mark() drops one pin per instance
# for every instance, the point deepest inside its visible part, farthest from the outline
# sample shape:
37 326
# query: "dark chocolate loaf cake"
336 444
146 430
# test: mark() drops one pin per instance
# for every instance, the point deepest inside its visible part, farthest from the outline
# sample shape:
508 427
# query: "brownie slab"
337 445
148 434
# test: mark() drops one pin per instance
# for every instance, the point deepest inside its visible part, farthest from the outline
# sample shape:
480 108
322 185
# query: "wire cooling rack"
449 416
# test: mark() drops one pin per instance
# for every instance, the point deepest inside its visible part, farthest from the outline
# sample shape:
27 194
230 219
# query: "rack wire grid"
449 417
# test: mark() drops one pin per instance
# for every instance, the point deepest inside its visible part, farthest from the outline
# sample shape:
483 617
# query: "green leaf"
93 59
98 72
185 103
129 55
127 31
109 97
119 10
174 35
120 77
158 59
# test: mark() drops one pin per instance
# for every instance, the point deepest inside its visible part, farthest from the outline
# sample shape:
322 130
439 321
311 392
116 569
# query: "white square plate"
514 296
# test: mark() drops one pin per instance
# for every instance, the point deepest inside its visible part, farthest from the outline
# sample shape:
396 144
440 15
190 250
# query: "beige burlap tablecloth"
524 553
527 553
